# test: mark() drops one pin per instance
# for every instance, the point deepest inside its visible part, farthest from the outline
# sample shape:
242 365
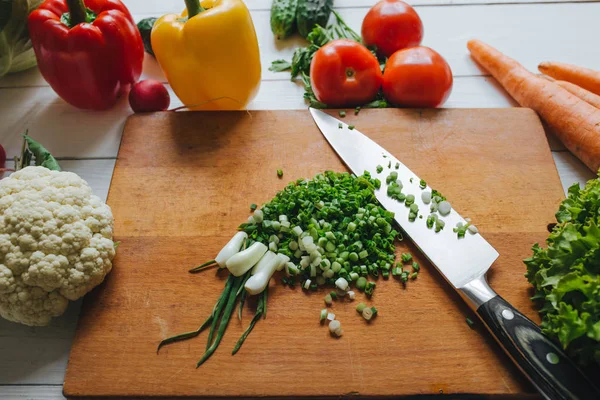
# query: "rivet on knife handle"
544 363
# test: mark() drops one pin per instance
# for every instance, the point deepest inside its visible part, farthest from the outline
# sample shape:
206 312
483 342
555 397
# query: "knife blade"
464 264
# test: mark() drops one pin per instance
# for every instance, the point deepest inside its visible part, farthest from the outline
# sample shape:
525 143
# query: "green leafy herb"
145 27
34 151
279 65
566 275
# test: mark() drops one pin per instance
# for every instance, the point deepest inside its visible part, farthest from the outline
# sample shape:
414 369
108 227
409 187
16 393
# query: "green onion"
414 275
406 257
367 313
351 127
379 169
360 307
253 207
356 110
470 323
279 173
370 288
361 283
415 266
323 315
397 165
328 300
422 184
202 267
340 126
342 113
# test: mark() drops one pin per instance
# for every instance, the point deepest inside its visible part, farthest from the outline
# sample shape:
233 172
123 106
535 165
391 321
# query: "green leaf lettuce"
566 275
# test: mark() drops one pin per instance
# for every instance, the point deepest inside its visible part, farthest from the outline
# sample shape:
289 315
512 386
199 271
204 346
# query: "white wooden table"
33 360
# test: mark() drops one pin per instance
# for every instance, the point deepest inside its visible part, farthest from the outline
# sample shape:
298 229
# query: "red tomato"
417 77
344 73
392 25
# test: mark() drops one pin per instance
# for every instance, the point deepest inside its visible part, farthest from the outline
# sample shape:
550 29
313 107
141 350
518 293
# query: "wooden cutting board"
182 184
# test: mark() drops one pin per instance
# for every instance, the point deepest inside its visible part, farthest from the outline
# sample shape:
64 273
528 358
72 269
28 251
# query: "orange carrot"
575 122
583 94
580 76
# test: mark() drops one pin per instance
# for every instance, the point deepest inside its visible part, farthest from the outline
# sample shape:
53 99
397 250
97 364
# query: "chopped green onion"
410 199
367 314
406 257
351 127
360 307
342 113
279 173
340 126
323 315
379 169
335 328
361 283
370 288
253 207
356 110
415 266
404 276
328 300
374 310
439 225
414 275
341 283
422 184
397 165
470 323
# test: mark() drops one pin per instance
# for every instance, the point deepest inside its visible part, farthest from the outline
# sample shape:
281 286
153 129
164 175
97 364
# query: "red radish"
149 95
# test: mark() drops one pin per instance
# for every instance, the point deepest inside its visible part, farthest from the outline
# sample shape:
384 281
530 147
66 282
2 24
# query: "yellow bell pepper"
210 59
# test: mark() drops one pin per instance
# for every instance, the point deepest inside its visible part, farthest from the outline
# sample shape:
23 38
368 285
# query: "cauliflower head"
55 243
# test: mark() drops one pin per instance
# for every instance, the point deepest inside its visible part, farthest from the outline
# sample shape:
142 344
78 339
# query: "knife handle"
539 358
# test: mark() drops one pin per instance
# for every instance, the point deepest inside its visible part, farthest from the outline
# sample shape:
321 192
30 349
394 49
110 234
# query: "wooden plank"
36 355
571 170
38 392
494 24
160 7
159 173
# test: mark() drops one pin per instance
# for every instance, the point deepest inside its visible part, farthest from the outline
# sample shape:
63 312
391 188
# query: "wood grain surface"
183 183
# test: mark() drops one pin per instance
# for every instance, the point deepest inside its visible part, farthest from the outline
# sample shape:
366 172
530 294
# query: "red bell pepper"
89 56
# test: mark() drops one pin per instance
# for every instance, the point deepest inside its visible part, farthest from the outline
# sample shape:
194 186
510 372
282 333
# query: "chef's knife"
464 263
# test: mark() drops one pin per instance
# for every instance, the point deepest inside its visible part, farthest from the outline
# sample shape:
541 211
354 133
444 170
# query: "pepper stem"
77 11
193 7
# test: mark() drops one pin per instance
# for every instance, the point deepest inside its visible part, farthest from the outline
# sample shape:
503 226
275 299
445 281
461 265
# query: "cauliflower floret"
55 243
31 305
